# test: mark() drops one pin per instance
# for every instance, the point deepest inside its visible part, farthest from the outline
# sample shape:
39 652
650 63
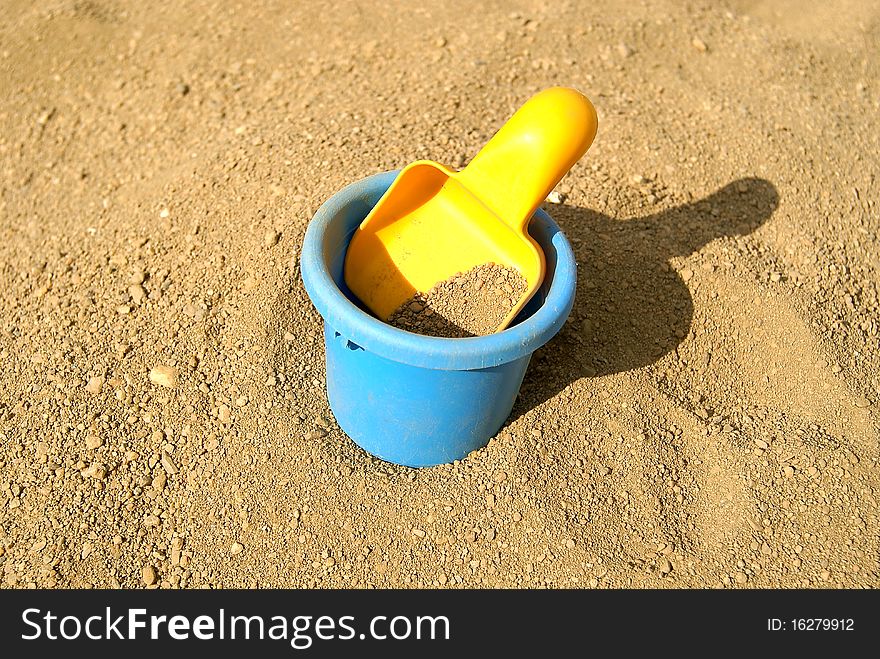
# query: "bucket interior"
339 236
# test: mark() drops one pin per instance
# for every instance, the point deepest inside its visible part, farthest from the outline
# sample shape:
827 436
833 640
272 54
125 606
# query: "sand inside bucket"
468 304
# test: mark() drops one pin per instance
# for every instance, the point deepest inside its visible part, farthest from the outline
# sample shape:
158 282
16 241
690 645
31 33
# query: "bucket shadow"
631 307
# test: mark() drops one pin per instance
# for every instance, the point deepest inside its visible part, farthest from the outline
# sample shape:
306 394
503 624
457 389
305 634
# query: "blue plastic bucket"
417 400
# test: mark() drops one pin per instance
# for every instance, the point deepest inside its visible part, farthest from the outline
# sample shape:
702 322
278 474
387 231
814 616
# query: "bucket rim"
441 353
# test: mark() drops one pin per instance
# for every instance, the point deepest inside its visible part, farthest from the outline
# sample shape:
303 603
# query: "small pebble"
224 413
149 575
165 376
271 237
96 471
236 548
168 463
94 385
137 293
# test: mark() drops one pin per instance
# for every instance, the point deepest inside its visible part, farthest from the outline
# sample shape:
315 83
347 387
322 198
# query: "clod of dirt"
469 304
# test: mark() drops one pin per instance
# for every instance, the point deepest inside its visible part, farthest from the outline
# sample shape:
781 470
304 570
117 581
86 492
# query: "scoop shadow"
631 306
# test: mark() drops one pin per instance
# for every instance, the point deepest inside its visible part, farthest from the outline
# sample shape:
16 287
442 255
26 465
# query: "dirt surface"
469 304
708 416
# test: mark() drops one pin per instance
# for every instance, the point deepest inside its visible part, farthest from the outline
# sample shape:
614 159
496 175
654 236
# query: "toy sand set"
283 308
410 242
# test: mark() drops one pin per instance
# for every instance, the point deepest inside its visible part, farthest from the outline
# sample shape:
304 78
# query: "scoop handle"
516 170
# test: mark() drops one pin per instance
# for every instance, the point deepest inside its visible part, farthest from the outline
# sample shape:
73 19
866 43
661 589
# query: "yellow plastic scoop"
434 222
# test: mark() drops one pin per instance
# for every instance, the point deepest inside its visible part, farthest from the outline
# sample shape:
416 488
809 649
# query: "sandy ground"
707 418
